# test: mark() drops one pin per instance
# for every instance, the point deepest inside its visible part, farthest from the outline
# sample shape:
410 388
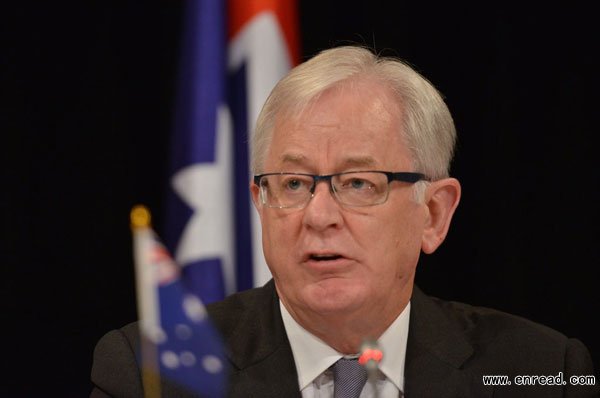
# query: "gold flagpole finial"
140 217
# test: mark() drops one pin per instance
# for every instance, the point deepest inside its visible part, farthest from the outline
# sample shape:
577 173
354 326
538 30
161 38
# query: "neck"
346 332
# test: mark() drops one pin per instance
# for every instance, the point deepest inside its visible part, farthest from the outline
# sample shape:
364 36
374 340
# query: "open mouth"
324 257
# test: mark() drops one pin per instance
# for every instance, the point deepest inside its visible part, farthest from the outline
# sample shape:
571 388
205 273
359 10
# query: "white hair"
427 125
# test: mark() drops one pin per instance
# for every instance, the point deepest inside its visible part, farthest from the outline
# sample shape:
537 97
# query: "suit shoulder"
485 323
510 344
241 301
123 339
246 307
115 368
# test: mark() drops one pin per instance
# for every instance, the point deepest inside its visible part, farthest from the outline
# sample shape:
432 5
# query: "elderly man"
351 156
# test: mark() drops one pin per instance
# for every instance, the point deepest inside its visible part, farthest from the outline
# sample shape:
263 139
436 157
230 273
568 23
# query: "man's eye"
293 184
358 184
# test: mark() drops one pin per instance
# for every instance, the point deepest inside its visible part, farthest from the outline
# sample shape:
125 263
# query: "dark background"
87 103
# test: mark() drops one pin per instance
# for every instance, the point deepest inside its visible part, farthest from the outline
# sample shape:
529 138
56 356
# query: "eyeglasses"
353 188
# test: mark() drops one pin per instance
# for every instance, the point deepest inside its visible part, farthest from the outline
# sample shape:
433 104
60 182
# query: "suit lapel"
274 376
260 352
436 350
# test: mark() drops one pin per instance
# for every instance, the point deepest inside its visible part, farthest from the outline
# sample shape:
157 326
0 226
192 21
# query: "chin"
332 295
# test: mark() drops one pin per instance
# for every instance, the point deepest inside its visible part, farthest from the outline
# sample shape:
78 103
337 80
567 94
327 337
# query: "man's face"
328 258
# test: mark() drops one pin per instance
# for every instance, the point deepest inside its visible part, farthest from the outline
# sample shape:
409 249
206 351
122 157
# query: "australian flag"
233 53
180 345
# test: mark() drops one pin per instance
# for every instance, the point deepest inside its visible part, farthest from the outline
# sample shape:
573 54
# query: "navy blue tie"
349 378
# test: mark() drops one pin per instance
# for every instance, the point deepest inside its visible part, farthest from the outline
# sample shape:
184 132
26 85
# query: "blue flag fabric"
196 175
192 352
233 53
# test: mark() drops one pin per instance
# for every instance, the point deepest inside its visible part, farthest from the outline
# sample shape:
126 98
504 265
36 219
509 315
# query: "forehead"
355 125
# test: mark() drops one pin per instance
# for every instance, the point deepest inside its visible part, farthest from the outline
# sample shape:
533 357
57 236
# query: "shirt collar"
313 356
393 345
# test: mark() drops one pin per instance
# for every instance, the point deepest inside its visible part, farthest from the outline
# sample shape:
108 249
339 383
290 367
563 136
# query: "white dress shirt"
313 357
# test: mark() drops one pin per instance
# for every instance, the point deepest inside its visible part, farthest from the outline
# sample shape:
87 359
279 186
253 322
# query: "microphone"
370 356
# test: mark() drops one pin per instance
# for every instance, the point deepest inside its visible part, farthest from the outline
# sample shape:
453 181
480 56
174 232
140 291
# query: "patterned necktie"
349 378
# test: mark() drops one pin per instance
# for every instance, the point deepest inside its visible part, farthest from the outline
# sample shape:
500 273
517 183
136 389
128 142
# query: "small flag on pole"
179 343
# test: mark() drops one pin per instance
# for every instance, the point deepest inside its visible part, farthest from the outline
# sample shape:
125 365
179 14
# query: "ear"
255 195
441 200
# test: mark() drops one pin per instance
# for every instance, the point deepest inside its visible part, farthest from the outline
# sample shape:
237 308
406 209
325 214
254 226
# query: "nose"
322 211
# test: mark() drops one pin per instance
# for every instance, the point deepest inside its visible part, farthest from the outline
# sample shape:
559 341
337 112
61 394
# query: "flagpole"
145 290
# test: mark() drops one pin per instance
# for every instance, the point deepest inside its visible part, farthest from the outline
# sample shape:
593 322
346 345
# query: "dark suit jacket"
451 346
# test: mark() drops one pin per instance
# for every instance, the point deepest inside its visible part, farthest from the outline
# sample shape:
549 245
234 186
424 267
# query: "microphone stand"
370 356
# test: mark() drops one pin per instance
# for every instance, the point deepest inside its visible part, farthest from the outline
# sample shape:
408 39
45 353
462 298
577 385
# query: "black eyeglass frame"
402 176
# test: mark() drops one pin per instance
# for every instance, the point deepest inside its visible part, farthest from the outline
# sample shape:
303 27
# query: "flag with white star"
233 53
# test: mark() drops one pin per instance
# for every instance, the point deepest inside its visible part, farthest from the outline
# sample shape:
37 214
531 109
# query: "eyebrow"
293 158
358 161
351 161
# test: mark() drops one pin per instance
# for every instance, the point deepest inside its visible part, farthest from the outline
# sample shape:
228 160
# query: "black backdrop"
88 94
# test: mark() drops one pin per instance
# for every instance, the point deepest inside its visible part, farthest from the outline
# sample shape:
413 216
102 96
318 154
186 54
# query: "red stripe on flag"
286 12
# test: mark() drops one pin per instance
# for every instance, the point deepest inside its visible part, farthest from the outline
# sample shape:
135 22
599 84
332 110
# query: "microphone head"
370 355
